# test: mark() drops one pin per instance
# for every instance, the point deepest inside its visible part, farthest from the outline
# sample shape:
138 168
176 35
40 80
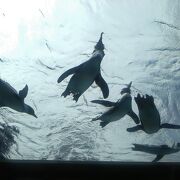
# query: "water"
41 40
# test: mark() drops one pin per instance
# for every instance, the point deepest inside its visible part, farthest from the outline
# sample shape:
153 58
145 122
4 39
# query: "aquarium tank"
90 80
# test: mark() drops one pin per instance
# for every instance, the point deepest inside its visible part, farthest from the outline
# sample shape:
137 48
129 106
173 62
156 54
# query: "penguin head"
99 45
29 110
127 89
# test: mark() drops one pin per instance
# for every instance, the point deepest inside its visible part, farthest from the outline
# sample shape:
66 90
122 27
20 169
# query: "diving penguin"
149 116
85 74
159 151
118 109
9 97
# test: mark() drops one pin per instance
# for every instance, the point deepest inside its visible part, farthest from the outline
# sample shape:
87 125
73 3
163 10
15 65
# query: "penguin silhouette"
159 151
118 109
149 116
9 97
85 74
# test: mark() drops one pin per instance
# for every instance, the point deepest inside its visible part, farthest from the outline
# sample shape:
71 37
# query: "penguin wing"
133 116
103 85
158 157
139 147
23 92
68 72
104 103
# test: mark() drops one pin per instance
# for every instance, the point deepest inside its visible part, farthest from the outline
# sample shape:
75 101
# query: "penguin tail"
76 97
103 123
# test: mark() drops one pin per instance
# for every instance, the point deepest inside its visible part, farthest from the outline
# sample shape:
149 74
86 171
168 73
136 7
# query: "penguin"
159 151
118 109
149 116
9 97
85 74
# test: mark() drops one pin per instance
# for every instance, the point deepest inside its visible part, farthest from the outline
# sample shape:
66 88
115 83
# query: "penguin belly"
83 79
80 82
150 120
118 111
112 116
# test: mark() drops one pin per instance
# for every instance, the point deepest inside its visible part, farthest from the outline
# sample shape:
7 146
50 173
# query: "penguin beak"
35 116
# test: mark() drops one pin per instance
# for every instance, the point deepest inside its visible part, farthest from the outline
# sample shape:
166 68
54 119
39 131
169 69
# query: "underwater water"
40 40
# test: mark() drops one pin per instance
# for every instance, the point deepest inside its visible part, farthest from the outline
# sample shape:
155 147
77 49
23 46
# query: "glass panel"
121 88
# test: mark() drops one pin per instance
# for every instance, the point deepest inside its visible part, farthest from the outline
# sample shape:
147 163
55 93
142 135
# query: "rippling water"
39 41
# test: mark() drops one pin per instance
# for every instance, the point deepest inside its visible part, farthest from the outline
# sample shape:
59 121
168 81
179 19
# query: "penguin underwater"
85 74
9 97
149 116
159 151
118 109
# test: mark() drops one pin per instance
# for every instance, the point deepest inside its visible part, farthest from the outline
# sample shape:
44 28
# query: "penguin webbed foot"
95 119
150 99
65 93
68 92
76 96
144 100
103 123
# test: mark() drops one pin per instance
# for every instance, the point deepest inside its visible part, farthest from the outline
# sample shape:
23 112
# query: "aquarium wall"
90 80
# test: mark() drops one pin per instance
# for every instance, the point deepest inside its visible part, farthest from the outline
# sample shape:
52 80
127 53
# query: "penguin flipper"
170 126
133 116
104 103
158 157
23 92
103 85
139 147
67 73
135 128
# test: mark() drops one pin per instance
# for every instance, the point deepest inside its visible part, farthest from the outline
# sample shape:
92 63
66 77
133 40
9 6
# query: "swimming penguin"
149 116
159 151
9 97
85 74
119 109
